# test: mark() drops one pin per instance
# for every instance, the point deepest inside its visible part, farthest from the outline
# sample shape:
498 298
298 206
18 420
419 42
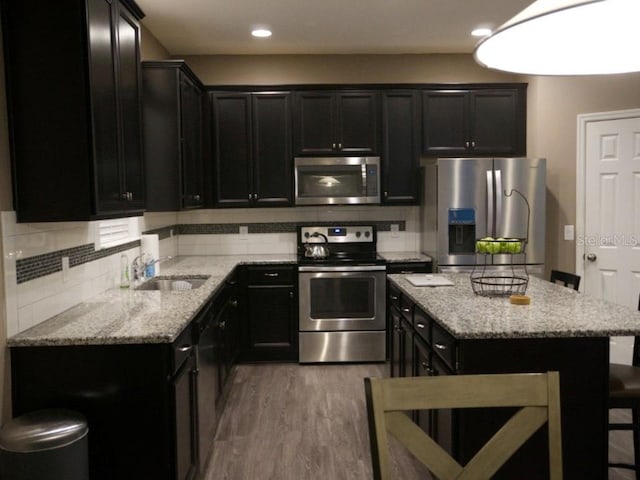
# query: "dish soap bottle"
124 271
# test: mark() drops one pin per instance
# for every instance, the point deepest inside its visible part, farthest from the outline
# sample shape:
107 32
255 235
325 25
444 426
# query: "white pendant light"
567 37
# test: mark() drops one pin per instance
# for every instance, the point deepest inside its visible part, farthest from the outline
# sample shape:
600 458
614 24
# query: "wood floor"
286 421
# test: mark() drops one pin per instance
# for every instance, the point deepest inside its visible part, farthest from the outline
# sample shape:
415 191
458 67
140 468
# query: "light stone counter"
555 311
120 316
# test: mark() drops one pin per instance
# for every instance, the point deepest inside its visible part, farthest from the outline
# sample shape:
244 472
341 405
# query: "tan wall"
554 103
150 47
322 69
5 204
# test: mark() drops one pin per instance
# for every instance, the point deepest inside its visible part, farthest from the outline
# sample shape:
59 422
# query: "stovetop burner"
351 244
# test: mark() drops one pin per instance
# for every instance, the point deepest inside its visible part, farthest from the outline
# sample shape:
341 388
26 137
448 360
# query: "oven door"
342 298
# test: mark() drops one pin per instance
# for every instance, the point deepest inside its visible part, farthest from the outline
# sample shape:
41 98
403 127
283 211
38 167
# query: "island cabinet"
476 121
400 146
271 330
73 92
336 123
173 101
421 346
251 149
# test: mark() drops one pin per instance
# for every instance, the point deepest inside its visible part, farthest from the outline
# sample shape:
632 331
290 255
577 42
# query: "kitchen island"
454 331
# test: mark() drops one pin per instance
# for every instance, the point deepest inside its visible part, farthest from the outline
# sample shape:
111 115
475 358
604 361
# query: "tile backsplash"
36 287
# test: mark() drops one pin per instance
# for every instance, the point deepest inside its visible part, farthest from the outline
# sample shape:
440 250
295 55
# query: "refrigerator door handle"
490 205
499 196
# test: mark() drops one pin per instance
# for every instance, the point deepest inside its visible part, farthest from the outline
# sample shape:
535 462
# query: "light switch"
395 230
569 232
65 269
244 232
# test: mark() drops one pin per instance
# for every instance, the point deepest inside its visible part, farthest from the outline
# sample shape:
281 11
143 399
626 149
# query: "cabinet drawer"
182 348
406 308
394 296
444 345
422 324
271 275
409 267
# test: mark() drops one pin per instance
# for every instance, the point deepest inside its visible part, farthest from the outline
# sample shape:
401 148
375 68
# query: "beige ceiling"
207 27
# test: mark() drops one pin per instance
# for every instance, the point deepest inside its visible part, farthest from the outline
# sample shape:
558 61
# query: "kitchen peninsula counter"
129 316
555 311
561 330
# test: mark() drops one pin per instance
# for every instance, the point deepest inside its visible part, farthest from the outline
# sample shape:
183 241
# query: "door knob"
591 257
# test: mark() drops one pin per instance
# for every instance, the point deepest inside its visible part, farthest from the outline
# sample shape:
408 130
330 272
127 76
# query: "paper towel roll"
150 245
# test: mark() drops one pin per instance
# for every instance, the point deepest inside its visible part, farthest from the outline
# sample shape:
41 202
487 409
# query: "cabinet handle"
223 325
467 144
291 295
234 303
185 348
271 274
440 346
196 198
473 144
420 325
250 196
406 310
125 196
426 366
393 297
333 146
339 146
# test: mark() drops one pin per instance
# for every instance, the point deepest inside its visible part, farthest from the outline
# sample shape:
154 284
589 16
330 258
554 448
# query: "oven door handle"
345 268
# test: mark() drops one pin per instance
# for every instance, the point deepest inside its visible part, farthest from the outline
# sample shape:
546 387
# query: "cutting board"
428 280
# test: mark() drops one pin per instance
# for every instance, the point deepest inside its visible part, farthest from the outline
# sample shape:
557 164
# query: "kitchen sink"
174 283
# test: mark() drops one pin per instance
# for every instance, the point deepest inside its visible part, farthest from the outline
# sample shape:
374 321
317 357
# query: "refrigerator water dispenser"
462 230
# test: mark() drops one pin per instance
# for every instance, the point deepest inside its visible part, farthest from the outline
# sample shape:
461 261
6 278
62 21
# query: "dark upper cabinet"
477 121
73 91
251 135
173 136
336 123
400 146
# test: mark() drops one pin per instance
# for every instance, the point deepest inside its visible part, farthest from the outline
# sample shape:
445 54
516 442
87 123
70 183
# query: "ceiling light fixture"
261 33
481 32
566 37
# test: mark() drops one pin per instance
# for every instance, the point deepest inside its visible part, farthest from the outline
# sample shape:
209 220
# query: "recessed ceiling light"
261 32
481 32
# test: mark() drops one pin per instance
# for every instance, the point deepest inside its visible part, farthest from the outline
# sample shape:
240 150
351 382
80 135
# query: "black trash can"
45 445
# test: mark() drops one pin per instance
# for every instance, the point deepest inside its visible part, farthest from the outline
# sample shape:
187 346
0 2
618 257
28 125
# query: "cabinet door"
104 101
397 344
191 143
496 121
400 147
186 421
272 159
129 94
273 330
314 123
407 350
231 125
444 124
422 368
442 419
357 123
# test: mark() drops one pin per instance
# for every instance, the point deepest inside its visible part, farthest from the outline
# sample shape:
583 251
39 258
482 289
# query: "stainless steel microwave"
337 180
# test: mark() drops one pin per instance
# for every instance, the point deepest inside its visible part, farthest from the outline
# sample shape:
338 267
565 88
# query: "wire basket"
499 286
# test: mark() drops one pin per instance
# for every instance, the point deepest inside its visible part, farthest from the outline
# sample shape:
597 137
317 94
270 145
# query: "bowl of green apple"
494 246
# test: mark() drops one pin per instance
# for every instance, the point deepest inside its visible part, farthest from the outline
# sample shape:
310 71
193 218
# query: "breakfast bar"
561 330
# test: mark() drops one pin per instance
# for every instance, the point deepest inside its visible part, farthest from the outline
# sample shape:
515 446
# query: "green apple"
481 246
494 246
515 245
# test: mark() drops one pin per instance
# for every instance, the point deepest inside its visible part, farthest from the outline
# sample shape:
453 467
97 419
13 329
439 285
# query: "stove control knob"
306 234
367 234
358 234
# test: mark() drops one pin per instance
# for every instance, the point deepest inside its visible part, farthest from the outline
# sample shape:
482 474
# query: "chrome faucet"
140 265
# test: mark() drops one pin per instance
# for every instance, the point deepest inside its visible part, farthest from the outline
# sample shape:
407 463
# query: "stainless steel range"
342 295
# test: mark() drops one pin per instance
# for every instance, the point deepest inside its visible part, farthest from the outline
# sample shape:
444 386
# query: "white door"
611 240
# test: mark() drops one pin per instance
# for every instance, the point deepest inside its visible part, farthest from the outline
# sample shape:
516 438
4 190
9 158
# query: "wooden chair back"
538 394
565 278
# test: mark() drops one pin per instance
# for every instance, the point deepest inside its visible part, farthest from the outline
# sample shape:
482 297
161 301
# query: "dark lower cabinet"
409 267
271 332
583 386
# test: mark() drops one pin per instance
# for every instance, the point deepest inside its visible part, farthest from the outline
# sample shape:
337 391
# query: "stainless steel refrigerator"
465 199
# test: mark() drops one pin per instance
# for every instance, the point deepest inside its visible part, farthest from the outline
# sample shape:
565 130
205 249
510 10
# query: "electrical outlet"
244 232
569 232
395 230
65 269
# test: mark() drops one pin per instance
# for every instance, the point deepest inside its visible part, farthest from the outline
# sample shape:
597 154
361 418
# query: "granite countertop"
127 316
399 257
555 311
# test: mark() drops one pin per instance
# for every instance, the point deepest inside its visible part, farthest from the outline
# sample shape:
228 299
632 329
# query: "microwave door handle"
499 197
490 205
363 169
